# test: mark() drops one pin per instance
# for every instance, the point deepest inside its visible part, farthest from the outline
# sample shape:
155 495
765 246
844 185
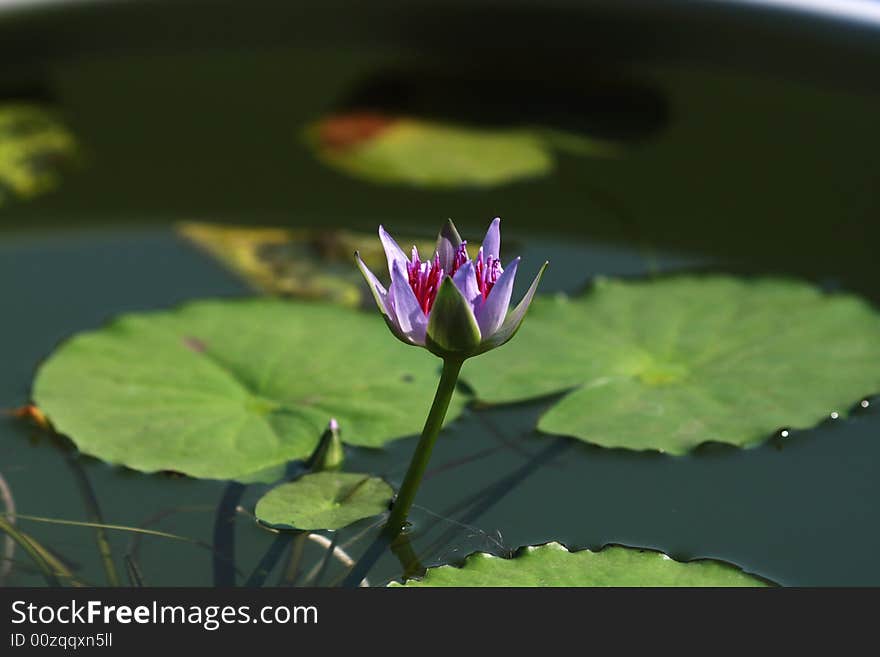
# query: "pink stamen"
425 277
488 271
460 257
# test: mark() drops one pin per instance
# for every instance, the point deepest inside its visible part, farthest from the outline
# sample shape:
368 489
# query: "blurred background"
741 128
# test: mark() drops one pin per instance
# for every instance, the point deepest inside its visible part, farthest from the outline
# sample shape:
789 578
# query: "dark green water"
744 170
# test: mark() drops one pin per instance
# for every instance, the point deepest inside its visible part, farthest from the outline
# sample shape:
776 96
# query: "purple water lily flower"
450 304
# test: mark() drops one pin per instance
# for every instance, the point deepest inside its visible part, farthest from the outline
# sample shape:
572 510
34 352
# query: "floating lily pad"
324 500
422 153
34 146
222 389
304 263
669 364
553 565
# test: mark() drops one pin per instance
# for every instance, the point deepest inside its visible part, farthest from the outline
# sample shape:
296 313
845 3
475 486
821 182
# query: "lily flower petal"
492 241
393 252
494 309
452 327
379 293
408 316
514 319
453 306
465 280
448 242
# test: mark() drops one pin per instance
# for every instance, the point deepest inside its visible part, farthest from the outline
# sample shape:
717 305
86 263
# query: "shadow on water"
224 534
463 514
601 106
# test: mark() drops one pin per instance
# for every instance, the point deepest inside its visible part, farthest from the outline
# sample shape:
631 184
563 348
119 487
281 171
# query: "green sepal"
452 327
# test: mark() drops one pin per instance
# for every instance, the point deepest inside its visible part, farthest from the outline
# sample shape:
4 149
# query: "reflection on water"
777 510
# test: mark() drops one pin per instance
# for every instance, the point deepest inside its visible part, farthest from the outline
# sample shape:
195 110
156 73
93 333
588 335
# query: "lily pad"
324 500
222 389
34 146
554 565
672 363
303 263
423 153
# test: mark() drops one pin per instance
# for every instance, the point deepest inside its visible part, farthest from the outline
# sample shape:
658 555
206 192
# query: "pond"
719 166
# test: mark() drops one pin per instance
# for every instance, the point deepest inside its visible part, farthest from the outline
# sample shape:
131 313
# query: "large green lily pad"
34 146
554 565
324 500
221 389
672 363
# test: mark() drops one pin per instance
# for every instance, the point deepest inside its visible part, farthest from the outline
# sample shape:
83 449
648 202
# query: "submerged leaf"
669 364
424 153
306 263
223 389
554 565
324 500
34 146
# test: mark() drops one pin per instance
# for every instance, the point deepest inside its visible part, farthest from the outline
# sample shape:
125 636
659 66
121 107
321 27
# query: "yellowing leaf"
304 263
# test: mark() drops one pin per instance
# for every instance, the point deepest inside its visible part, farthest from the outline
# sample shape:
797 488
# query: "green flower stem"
433 424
